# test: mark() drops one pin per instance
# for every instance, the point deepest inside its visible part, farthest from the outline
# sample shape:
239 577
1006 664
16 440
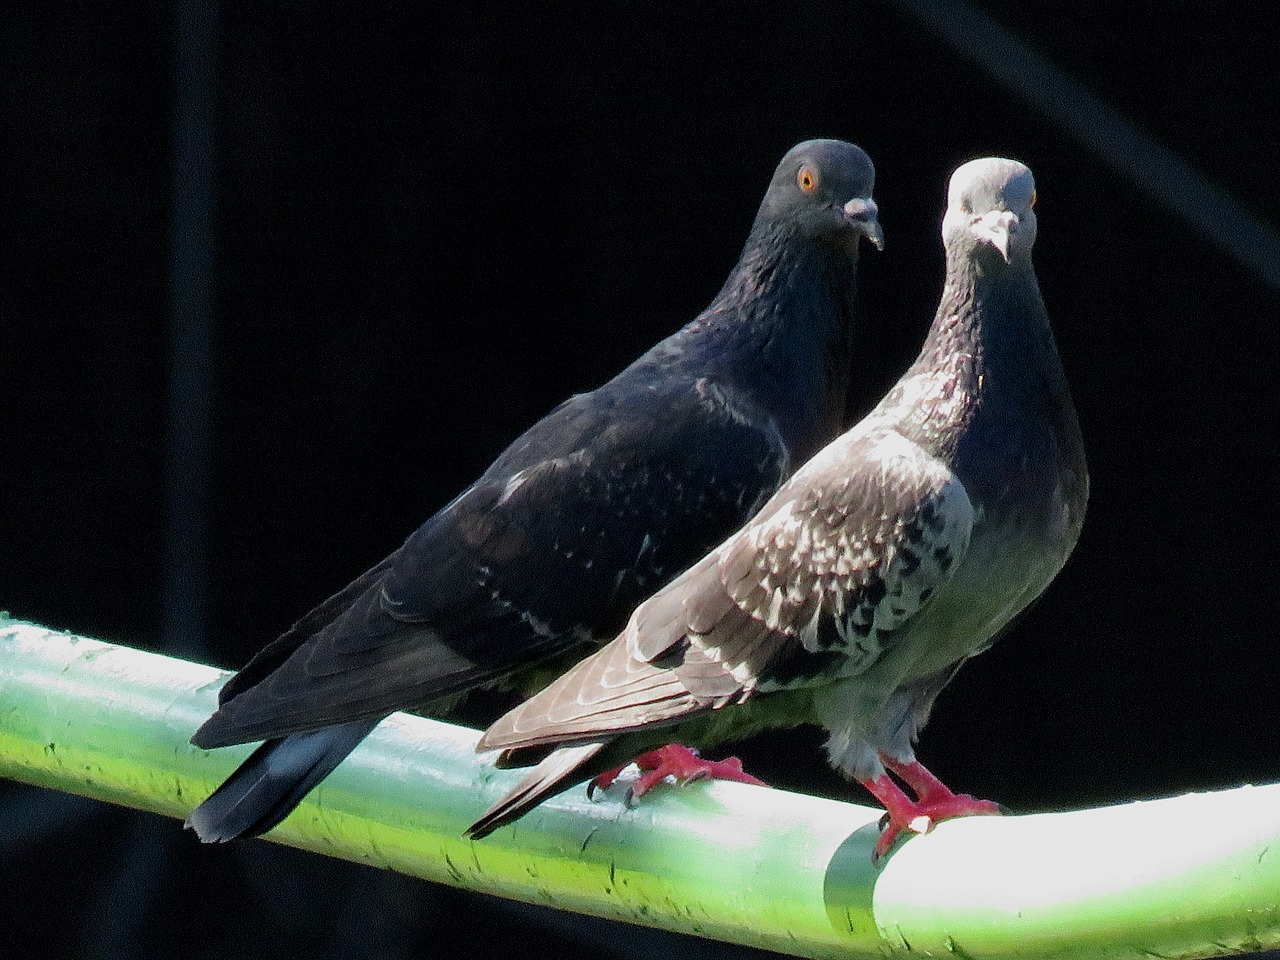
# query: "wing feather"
579 520
813 588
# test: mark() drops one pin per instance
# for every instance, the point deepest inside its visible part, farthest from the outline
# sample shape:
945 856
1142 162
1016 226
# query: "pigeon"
591 510
899 551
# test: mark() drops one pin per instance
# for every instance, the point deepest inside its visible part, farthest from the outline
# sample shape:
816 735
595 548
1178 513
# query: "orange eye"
1033 199
807 179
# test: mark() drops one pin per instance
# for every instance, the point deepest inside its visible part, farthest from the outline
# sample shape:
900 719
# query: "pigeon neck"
777 265
785 321
992 323
989 347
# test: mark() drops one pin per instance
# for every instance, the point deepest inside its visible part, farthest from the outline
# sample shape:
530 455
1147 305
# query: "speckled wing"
816 587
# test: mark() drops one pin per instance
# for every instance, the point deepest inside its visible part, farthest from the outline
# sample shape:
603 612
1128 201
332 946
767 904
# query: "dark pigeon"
899 551
599 504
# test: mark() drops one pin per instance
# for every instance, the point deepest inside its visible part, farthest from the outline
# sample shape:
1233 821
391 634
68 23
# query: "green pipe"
1190 876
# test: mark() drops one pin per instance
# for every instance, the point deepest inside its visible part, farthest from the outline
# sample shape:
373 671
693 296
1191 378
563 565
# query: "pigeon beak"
996 228
862 213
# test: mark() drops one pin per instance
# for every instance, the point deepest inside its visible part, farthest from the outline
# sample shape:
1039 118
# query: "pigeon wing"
605 509
816 587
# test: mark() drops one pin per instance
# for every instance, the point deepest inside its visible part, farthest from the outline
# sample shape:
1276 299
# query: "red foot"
673 760
935 802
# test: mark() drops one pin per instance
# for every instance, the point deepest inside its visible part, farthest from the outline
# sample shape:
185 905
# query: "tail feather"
267 786
551 776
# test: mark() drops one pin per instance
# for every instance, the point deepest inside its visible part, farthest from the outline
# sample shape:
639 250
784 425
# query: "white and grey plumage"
899 551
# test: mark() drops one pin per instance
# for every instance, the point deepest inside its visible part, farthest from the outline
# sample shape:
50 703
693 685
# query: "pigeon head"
822 190
989 204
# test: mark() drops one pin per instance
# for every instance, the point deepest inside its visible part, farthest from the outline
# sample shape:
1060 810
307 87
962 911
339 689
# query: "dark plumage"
595 507
895 554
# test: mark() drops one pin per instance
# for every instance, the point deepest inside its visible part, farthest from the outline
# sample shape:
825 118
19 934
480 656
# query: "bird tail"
267 786
551 776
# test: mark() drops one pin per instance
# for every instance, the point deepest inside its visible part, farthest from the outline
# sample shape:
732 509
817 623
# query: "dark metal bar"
191 301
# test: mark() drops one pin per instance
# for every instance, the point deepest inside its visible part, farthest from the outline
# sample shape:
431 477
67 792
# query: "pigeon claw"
934 802
678 762
604 781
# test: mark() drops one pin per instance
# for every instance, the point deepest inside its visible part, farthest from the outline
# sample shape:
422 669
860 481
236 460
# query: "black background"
435 223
